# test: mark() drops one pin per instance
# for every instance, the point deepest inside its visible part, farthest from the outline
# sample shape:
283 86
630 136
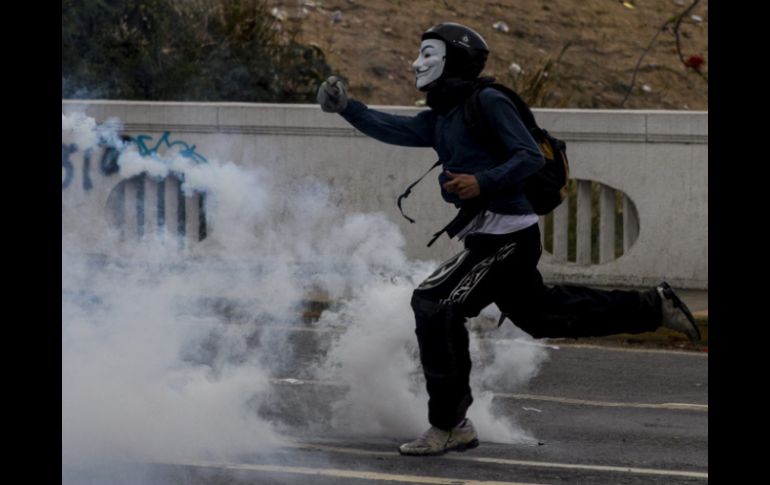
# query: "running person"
501 243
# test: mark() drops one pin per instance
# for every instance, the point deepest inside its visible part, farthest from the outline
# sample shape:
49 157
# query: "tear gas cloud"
151 373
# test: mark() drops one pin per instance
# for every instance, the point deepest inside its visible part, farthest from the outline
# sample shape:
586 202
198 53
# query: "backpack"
545 189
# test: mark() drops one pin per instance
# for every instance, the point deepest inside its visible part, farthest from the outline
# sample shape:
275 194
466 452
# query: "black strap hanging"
465 215
469 210
409 190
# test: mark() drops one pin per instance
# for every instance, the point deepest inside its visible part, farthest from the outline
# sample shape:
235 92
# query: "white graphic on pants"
472 279
443 271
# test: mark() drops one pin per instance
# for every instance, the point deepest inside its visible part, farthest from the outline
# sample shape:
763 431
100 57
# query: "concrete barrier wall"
658 159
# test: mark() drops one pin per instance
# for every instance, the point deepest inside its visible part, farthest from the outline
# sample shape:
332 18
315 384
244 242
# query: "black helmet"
466 50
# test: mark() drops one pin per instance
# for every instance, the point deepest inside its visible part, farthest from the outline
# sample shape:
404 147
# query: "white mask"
430 63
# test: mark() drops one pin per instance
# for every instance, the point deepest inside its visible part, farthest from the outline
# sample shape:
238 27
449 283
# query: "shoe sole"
668 292
459 448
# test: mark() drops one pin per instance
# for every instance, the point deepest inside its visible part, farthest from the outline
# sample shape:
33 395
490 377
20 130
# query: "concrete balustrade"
606 225
657 160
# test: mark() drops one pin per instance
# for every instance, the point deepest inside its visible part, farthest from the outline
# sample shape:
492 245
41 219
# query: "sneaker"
676 315
436 441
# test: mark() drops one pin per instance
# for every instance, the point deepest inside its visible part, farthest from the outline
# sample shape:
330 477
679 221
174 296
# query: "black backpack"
545 189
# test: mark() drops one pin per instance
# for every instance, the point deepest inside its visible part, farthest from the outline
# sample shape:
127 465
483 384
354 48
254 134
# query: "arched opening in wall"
595 224
143 206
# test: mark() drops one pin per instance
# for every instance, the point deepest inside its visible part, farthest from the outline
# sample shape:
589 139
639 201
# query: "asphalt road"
599 415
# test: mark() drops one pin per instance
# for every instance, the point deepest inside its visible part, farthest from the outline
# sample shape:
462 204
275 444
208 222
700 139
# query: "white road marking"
571 345
533 397
362 475
305 382
548 343
504 461
584 402
296 328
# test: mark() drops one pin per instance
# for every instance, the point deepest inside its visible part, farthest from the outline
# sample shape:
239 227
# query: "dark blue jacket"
501 183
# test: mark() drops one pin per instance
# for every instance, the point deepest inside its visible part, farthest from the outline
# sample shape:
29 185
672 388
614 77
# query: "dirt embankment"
373 43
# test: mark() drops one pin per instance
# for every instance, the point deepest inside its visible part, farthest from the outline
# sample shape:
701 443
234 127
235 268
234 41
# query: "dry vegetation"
373 42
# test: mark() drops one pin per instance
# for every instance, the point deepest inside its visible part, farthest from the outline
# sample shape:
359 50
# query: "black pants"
502 269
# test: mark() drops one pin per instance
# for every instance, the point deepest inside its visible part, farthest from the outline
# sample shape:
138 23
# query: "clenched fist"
332 96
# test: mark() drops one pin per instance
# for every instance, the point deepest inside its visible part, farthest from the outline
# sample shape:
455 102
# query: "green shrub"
184 50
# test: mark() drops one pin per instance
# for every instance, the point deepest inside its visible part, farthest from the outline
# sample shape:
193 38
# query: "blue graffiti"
66 164
87 183
186 151
108 164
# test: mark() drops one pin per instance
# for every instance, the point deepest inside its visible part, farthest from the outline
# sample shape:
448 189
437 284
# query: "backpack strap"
464 216
476 122
469 210
477 125
525 113
409 191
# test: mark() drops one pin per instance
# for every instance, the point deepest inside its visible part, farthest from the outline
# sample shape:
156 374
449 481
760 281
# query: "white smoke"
86 133
150 375
376 359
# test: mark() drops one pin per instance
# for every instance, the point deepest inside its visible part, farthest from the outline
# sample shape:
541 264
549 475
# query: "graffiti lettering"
66 164
186 150
87 184
141 205
108 164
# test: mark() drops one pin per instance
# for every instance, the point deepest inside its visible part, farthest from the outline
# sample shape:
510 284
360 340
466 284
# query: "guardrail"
639 212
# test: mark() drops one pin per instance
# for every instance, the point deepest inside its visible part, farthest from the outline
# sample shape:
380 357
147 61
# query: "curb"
662 338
